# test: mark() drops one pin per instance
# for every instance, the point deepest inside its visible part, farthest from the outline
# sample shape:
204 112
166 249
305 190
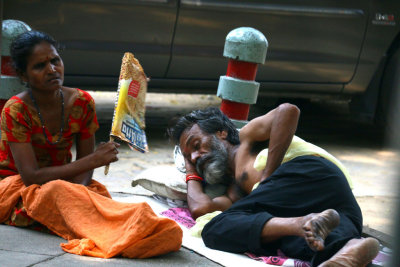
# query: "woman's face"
45 69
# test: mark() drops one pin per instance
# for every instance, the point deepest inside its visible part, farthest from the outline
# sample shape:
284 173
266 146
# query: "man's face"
213 165
207 153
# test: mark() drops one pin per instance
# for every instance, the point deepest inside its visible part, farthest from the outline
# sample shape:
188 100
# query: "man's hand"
278 126
189 166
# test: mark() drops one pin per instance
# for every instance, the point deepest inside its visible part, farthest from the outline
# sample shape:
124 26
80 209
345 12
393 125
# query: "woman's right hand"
106 153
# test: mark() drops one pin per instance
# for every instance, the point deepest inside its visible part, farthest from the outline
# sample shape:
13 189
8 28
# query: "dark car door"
310 42
96 33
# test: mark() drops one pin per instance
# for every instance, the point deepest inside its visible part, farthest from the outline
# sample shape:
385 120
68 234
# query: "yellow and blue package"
128 122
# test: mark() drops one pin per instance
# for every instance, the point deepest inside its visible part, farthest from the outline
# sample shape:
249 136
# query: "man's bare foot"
317 226
356 253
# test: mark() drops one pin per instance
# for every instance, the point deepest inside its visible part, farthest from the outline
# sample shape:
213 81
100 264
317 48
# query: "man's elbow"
199 211
289 109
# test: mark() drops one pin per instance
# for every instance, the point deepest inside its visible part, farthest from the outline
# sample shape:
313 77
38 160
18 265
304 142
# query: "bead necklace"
42 121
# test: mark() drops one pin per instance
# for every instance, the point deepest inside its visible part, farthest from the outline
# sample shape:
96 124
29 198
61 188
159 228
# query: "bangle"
193 177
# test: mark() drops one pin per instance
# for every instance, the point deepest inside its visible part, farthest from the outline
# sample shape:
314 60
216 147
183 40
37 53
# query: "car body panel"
314 41
379 39
330 48
96 34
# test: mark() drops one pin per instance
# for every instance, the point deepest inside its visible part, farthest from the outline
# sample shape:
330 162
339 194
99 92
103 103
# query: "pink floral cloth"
181 216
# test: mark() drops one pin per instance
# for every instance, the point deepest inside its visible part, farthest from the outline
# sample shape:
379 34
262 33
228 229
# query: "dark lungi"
304 185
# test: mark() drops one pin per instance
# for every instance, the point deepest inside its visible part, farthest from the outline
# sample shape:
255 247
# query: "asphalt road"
361 147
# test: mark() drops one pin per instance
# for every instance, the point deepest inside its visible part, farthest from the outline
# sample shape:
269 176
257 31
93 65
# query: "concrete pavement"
23 247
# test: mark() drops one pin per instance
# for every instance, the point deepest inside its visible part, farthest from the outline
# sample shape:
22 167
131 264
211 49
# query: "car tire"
389 102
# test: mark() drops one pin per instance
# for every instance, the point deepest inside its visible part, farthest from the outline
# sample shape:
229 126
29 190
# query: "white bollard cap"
10 29
246 44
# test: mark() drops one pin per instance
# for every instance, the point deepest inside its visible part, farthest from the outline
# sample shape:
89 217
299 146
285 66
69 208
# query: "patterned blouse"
20 123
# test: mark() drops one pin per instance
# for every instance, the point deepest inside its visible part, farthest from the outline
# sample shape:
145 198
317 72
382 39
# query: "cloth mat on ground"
181 215
194 243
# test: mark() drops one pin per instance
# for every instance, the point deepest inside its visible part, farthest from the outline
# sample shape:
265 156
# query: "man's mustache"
203 160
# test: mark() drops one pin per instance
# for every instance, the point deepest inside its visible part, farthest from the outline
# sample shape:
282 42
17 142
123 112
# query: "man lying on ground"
304 207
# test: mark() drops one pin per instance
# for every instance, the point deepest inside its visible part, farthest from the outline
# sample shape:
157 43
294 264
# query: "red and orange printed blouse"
20 123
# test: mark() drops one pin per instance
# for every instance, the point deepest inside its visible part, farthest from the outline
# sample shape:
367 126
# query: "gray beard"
213 166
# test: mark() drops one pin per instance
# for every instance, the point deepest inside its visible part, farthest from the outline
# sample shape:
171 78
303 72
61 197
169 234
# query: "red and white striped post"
10 84
246 48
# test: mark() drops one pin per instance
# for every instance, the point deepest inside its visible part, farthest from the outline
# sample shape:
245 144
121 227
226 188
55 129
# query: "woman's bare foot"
317 226
356 253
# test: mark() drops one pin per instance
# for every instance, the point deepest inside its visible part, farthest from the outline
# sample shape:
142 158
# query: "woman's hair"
210 120
22 47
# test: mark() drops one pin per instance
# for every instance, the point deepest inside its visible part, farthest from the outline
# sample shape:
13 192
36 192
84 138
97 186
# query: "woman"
40 124
40 183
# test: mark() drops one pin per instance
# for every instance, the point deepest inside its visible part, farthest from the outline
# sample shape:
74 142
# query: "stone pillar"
10 84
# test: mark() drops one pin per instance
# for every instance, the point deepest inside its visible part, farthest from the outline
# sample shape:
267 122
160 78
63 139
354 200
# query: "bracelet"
193 177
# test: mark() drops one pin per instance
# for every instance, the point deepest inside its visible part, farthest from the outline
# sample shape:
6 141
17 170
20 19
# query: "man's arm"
279 126
200 203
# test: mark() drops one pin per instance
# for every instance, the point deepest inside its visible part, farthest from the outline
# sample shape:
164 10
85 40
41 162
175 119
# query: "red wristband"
193 177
